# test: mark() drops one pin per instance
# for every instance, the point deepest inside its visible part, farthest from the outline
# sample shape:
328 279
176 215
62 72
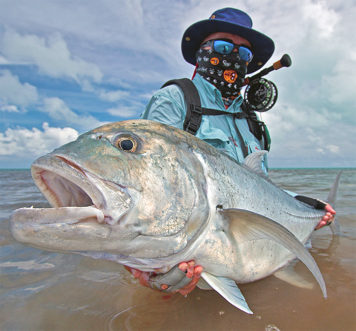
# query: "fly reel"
260 95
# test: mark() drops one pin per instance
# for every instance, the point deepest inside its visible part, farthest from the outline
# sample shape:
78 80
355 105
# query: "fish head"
134 190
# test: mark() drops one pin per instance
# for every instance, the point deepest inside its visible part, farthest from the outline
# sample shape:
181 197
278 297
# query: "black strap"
316 203
192 100
195 112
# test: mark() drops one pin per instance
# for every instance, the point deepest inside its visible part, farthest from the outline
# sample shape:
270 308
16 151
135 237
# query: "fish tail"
331 199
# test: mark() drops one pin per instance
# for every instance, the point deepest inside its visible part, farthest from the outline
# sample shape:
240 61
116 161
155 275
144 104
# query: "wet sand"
49 291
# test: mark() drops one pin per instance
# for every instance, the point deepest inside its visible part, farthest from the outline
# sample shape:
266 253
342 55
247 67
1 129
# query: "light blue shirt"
167 106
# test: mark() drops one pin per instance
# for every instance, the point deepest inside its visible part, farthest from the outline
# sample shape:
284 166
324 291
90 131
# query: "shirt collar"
214 95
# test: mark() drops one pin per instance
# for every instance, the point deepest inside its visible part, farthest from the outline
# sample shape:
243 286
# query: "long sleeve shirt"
168 106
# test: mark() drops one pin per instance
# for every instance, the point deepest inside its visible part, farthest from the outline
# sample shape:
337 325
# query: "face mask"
225 71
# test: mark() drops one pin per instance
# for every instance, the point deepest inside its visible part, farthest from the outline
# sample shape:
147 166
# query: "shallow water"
48 291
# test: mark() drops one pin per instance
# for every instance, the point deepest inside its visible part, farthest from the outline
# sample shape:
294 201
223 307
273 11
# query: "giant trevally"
150 196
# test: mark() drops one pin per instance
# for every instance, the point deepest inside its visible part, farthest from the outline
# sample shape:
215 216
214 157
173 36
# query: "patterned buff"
226 72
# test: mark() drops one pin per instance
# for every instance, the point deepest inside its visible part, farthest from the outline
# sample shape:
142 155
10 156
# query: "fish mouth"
88 212
79 194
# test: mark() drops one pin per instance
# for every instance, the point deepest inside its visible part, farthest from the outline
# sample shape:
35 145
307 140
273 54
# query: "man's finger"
330 209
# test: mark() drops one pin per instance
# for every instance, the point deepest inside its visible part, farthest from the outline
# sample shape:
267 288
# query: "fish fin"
228 289
203 285
253 162
332 193
308 244
289 275
259 226
335 225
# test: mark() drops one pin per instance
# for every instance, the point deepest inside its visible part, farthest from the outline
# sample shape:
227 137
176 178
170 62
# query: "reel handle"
284 61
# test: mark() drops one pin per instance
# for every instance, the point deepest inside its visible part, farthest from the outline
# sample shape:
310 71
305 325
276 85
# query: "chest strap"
195 111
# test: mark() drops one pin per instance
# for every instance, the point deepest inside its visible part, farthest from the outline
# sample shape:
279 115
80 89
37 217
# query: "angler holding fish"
223 48
149 196
180 208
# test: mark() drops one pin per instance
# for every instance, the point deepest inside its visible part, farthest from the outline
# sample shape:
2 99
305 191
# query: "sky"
67 67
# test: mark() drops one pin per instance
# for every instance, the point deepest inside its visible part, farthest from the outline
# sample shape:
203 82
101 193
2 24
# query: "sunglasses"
227 47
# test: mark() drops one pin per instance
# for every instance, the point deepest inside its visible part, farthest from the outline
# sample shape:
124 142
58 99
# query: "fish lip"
70 175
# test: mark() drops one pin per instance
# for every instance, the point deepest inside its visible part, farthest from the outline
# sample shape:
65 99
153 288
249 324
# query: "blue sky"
69 66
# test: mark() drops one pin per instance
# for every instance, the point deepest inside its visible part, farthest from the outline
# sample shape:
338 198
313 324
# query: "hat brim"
262 46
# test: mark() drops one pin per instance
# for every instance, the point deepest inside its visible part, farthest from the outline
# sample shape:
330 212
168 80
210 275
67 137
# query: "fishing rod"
261 94
284 61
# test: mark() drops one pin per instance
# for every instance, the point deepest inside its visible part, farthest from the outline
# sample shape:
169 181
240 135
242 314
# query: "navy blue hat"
233 21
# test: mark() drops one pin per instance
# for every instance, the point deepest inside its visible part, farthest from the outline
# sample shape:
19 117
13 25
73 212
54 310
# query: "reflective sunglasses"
226 47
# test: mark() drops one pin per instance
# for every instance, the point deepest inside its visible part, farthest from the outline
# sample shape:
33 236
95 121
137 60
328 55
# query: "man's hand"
142 276
319 204
327 218
181 279
192 271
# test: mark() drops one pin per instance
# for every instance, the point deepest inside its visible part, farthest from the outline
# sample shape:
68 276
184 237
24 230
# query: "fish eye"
126 143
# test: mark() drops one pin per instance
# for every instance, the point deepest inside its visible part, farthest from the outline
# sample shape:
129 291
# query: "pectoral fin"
228 289
253 225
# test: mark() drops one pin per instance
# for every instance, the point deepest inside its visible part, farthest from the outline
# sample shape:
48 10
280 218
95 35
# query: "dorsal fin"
254 162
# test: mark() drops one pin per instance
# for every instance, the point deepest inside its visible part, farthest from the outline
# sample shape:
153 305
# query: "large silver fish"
150 196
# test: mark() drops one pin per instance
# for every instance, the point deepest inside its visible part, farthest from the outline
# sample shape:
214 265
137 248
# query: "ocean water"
50 291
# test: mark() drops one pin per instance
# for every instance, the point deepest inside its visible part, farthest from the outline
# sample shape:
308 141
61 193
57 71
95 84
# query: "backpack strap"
257 128
194 112
192 100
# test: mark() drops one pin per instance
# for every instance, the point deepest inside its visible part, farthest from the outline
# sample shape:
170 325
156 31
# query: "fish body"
150 196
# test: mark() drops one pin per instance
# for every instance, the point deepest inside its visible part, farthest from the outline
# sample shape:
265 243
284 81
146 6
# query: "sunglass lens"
245 54
223 47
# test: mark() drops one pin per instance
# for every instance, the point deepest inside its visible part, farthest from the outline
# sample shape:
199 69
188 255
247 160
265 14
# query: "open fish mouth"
76 194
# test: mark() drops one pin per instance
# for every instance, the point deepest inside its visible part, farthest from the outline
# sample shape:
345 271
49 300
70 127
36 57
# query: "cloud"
12 91
23 142
51 55
323 18
124 111
133 47
304 137
113 96
333 148
9 108
57 109
3 60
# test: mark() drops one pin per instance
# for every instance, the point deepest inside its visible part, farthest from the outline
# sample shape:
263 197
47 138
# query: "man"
224 49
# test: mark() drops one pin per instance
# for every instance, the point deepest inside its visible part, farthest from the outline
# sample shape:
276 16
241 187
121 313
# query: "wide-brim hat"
233 21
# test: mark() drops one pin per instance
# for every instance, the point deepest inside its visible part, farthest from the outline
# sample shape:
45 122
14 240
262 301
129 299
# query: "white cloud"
3 60
12 91
22 142
136 44
333 148
51 55
322 17
113 96
57 109
9 108
312 140
124 111
342 81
